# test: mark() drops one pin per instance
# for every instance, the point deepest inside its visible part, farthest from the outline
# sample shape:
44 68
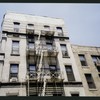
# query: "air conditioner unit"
14 79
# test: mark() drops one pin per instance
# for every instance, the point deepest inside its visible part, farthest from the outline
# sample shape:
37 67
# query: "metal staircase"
39 85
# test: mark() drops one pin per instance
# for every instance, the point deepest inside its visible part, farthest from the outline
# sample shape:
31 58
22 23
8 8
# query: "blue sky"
82 20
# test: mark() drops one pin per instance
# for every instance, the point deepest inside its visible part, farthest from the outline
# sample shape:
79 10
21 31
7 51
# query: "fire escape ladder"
44 86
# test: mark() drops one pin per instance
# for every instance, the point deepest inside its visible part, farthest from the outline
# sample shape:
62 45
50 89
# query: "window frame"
31 47
32 73
69 73
15 48
75 94
49 46
83 60
65 53
34 67
90 81
46 27
16 26
14 74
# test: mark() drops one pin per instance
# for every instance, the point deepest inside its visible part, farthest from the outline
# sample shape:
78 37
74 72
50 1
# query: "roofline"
85 46
32 15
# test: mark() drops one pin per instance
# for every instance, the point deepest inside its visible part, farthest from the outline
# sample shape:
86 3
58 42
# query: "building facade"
37 59
88 63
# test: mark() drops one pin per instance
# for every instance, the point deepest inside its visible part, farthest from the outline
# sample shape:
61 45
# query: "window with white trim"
15 47
16 26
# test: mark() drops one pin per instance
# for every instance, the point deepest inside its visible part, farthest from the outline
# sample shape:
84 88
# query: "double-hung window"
14 70
96 60
90 81
15 47
16 26
32 70
64 50
69 72
83 60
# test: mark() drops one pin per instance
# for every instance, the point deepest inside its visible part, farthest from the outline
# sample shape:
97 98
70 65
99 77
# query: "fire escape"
43 80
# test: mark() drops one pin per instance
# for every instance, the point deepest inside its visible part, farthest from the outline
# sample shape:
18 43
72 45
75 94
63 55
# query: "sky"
82 21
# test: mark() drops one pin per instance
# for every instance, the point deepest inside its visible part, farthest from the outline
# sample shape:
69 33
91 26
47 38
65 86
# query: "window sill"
92 89
66 57
85 67
15 54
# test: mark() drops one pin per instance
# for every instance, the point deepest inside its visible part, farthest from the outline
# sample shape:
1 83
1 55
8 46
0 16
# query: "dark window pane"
32 67
98 68
13 70
96 58
59 29
49 46
64 50
70 74
16 26
15 47
47 28
31 45
75 94
90 81
57 94
52 67
83 60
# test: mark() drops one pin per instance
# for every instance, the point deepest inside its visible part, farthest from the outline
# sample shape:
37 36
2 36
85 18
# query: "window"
64 50
30 25
90 81
47 28
14 70
57 94
96 60
99 75
75 94
49 39
52 67
69 72
31 45
98 68
16 26
30 28
15 47
49 46
32 70
60 33
59 30
83 60
52 60
32 67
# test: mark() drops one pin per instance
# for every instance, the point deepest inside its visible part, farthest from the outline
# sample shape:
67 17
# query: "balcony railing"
51 73
30 51
33 75
47 32
30 31
49 51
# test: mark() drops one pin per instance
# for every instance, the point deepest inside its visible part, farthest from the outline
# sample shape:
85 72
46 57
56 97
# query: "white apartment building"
88 63
36 58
